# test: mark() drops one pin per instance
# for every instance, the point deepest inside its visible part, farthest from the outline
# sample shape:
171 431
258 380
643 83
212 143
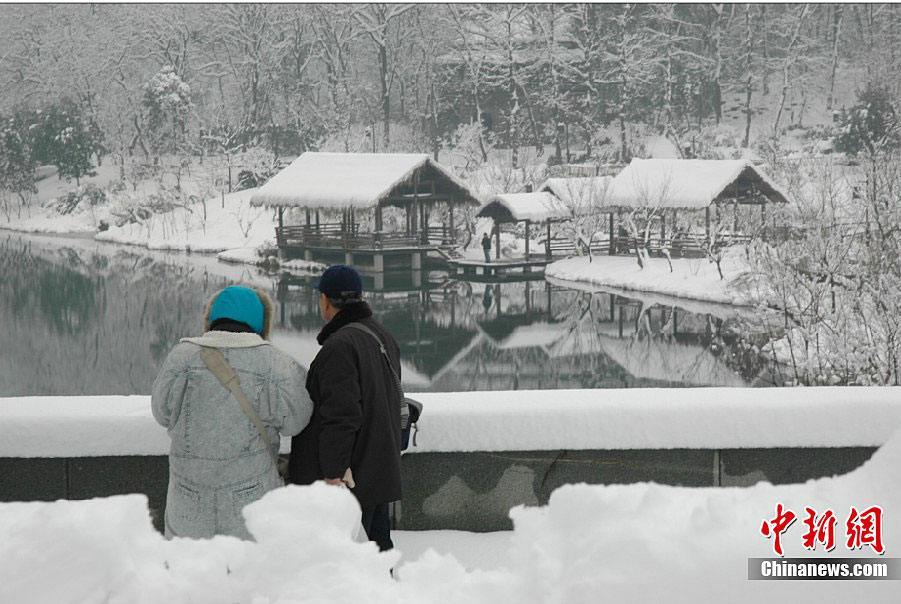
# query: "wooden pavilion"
537 208
377 205
668 187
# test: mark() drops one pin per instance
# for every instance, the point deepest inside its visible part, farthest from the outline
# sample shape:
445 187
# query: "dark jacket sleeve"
340 407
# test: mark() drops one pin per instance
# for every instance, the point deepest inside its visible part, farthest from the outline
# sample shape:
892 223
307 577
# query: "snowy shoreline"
691 278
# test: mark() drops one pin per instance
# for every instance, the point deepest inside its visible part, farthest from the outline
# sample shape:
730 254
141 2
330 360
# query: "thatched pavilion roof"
360 181
690 184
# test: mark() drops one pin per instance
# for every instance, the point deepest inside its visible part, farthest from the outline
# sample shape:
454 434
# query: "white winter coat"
218 462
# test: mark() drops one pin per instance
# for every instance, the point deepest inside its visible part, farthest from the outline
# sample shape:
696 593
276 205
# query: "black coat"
356 411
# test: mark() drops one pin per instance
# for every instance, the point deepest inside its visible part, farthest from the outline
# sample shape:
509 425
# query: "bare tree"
381 23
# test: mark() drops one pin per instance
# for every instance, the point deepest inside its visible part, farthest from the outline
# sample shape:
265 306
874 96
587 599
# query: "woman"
219 462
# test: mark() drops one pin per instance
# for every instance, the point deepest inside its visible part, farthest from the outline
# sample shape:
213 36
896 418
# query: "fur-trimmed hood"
227 339
268 310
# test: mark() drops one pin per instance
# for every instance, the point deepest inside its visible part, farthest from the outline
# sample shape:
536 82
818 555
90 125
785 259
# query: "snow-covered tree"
167 101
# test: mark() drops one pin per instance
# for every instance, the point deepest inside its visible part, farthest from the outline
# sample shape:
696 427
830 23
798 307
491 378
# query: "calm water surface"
82 317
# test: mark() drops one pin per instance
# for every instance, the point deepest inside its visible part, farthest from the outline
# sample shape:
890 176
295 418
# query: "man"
486 246
354 436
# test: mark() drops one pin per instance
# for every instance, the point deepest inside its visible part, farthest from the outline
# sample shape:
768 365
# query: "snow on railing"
654 418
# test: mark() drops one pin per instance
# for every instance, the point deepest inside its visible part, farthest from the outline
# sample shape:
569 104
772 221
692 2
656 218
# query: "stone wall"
462 491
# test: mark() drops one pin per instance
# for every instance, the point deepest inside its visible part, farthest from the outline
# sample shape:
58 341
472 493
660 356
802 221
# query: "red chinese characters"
861 528
777 526
865 528
820 530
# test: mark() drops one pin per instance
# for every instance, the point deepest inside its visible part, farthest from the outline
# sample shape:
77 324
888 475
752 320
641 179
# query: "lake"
84 317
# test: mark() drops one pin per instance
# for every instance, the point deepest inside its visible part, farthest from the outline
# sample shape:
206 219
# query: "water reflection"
537 335
89 318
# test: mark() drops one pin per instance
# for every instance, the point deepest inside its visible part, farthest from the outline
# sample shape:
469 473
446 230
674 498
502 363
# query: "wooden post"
763 221
707 223
527 239
662 227
612 249
317 222
547 242
378 219
279 236
453 232
497 240
734 217
416 207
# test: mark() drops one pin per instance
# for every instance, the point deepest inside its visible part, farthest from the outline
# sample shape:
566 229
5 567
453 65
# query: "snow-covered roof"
579 191
685 183
513 207
351 180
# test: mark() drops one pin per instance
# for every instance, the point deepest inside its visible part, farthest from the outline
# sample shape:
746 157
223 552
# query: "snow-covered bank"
251 255
695 278
623 543
214 225
660 418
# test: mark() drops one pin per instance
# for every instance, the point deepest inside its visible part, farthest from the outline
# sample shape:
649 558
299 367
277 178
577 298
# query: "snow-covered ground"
224 224
695 278
619 543
213 226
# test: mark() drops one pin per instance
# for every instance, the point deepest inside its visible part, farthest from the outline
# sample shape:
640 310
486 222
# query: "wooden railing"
681 246
334 235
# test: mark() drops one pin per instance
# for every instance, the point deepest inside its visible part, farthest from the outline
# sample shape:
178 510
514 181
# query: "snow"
695 278
654 418
537 207
251 255
220 225
541 334
678 183
580 191
660 360
632 543
42 217
345 180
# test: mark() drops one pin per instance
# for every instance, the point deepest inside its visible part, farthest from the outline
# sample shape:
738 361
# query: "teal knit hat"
238 303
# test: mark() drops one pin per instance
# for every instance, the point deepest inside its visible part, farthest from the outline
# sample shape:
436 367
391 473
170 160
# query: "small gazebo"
669 186
539 208
346 198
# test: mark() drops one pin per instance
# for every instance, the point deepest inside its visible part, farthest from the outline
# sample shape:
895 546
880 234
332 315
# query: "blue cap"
340 282
241 304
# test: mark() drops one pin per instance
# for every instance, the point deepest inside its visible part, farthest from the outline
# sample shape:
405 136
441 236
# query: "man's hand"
346 480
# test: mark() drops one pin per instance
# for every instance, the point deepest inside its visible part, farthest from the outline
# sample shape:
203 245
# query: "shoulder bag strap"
363 328
404 406
218 365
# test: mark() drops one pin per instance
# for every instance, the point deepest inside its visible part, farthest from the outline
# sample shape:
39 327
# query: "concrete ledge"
459 491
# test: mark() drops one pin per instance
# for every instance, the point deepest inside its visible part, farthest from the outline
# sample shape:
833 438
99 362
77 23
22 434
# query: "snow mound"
647 542
105 550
